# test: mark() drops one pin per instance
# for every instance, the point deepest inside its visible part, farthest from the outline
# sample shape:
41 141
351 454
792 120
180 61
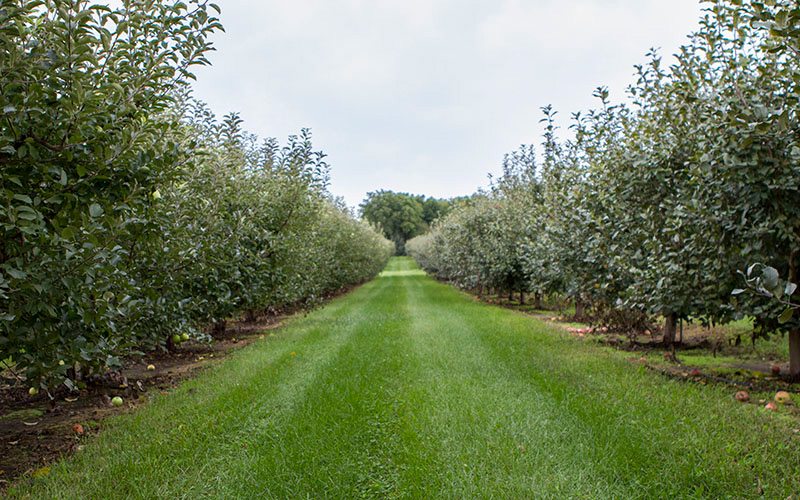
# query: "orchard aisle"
409 388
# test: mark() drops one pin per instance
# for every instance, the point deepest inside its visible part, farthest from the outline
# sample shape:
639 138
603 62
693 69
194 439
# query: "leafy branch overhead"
765 281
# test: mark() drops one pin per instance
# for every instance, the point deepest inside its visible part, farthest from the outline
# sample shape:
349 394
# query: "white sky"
426 96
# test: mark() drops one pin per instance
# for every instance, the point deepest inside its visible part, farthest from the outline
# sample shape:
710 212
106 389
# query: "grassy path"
407 388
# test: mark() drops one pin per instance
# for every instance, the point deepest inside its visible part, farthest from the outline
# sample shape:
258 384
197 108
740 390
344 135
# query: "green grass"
409 388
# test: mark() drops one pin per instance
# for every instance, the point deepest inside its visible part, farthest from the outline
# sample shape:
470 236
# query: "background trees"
402 216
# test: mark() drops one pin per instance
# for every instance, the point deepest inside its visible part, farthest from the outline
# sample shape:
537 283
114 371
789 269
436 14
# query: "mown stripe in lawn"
343 436
489 432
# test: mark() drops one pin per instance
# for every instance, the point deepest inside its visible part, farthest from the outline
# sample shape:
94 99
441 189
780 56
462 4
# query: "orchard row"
131 216
656 207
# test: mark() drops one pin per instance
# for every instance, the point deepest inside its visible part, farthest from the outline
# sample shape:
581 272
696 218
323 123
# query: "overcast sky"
426 96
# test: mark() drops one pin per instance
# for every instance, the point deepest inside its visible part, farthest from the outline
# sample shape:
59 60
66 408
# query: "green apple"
185 337
33 391
116 401
176 339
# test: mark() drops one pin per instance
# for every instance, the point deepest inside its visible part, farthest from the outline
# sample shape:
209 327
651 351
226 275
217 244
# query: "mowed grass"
407 388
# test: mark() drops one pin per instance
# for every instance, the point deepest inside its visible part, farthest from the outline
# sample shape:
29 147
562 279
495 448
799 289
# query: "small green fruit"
176 339
185 337
116 401
33 391
151 368
60 362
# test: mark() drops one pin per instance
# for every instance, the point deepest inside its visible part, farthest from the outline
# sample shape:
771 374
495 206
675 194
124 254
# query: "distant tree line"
402 216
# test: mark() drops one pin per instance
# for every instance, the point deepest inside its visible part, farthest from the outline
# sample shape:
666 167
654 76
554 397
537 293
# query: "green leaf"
786 316
95 210
68 233
770 277
27 216
16 273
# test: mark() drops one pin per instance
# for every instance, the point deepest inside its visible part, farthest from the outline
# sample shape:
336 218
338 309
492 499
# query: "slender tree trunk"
794 353
670 328
537 300
250 316
219 327
510 295
580 308
794 335
521 298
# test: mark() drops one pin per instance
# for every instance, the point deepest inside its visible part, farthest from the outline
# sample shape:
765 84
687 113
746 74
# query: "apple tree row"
128 213
656 206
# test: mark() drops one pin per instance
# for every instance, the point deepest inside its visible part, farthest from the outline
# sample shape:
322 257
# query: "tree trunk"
250 316
521 298
580 308
794 335
510 295
219 327
794 353
670 328
537 300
